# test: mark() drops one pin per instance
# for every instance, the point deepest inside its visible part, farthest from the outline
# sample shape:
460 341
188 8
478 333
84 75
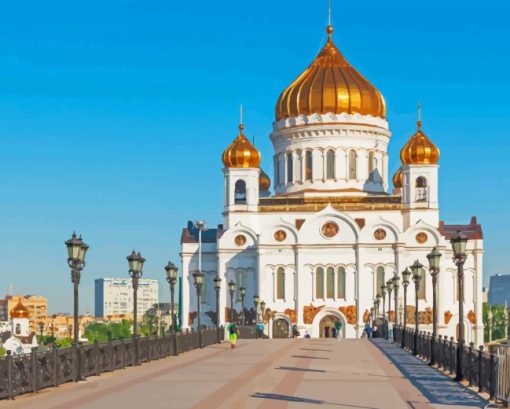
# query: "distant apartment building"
499 289
114 296
37 307
61 325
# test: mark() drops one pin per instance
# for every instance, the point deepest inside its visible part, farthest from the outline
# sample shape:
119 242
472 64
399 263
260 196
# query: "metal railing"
480 368
37 370
503 385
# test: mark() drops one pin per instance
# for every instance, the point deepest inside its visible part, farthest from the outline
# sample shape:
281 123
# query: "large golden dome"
419 150
241 153
264 181
19 311
330 85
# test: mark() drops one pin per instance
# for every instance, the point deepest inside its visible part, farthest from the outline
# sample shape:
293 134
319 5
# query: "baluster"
452 354
9 375
33 357
480 357
55 365
492 368
470 363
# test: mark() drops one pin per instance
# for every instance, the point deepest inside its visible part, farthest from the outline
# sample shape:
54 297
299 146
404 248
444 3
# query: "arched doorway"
280 328
327 326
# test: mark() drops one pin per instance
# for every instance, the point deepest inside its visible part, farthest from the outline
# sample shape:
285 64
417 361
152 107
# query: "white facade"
314 249
114 296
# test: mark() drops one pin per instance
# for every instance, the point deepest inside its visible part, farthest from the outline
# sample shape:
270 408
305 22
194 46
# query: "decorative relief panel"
380 234
421 237
447 317
472 317
366 317
291 314
240 240
329 229
280 235
350 313
309 313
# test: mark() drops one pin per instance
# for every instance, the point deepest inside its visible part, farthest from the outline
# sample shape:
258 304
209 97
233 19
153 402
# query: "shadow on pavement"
294 368
316 349
289 398
436 387
308 357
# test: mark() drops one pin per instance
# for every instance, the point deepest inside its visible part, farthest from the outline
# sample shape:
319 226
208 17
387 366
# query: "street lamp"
242 292
198 277
383 294
76 250
256 302
41 329
417 269
378 299
389 287
372 315
171 277
459 243
395 280
406 274
217 288
231 290
135 262
434 258
489 322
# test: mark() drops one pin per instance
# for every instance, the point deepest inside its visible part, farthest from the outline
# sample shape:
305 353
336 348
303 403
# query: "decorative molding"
330 118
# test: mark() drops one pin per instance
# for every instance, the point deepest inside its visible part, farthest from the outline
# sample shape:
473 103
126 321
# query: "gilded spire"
419 150
241 153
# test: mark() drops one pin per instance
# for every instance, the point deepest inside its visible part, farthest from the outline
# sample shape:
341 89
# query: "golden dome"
241 153
397 179
19 311
330 85
264 181
419 150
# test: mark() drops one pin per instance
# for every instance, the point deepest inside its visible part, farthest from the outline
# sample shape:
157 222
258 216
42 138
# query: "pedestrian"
338 327
333 332
368 331
232 334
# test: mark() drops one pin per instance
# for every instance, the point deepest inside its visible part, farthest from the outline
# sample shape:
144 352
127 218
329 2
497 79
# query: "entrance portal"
327 326
280 328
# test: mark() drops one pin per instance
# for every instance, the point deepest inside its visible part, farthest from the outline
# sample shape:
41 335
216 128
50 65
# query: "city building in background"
20 339
61 325
36 305
499 289
114 296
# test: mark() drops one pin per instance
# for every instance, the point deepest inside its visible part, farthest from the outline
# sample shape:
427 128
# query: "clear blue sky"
113 116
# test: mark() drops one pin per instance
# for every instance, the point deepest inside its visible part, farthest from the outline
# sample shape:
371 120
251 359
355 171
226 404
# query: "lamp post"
76 250
41 329
135 262
389 287
489 322
383 294
378 299
406 274
242 292
459 243
198 277
506 313
434 258
217 288
417 269
231 290
171 277
395 280
263 315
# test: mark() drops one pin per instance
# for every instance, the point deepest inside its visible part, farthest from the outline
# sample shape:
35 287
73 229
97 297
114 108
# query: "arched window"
380 279
371 165
240 192
18 329
341 282
290 167
330 282
308 165
421 182
330 164
352 165
319 283
421 189
280 283
240 282
422 288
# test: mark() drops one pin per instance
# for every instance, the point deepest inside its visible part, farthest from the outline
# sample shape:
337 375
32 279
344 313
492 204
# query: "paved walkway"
268 374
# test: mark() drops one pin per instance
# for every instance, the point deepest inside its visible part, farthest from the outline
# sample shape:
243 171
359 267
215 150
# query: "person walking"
368 331
338 327
232 334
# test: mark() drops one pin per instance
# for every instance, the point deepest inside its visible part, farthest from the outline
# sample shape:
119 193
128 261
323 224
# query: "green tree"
45 339
498 321
100 332
2 352
63 342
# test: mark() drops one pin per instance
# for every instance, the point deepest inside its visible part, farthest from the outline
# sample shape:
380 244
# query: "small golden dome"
419 150
330 85
19 311
397 179
241 153
264 181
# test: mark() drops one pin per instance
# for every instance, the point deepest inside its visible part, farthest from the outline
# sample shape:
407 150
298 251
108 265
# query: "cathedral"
337 226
